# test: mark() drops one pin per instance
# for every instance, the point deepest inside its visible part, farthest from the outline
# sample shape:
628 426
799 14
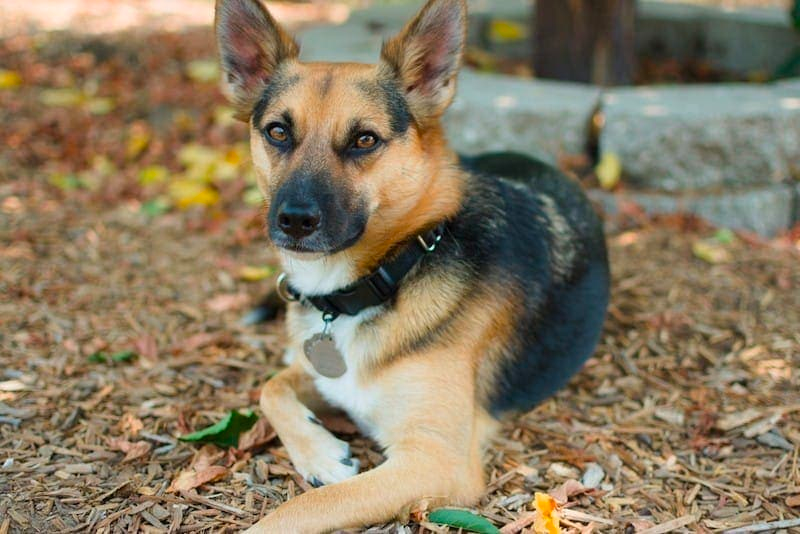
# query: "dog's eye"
365 141
278 133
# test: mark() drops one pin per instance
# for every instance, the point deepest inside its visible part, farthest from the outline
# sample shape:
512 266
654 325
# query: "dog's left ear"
251 48
426 56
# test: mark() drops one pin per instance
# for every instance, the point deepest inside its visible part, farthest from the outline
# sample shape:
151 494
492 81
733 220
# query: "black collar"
374 289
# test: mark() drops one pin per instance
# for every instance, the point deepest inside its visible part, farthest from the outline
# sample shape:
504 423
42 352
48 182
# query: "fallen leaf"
123 356
191 478
725 236
153 174
566 490
227 302
710 252
506 31
66 97
9 79
203 70
225 433
338 423
155 207
463 519
133 450
200 340
138 140
793 500
609 170
260 434
100 105
256 274
130 424
147 347
201 470
188 193
548 521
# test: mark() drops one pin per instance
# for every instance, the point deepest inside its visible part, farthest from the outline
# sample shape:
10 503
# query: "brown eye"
366 141
278 133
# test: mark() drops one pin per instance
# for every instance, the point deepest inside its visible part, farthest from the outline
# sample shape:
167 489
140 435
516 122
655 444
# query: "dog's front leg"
316 454
434 433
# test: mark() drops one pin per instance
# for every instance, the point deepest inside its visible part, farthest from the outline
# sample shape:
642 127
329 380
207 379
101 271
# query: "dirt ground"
131 244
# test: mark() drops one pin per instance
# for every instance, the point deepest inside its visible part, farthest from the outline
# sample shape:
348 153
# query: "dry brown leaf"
191 478
566 490
793 501
146 347
228 302
260 434
133 449
339 423
198 341
130 424
207 456
201 471
520 523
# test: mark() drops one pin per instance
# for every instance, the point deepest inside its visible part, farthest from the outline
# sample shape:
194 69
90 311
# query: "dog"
429 294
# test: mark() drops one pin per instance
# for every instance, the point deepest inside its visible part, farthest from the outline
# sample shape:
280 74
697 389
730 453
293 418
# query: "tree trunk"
590 41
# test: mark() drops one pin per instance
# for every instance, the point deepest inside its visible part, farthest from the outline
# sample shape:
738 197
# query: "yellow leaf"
253 197
138 141
609 170
255 274
548 520
100 105
9 79
225 116
203 70
153 174
65 97
188 193
710 252
504 31
200 161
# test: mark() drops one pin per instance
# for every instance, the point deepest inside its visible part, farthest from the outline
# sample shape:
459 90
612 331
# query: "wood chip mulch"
689 412
686 420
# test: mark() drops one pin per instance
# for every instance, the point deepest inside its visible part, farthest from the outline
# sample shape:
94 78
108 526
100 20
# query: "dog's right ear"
251 47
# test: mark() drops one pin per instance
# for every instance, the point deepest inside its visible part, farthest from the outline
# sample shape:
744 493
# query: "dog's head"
345 154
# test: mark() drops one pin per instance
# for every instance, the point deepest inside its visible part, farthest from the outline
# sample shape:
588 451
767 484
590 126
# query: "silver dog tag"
321 351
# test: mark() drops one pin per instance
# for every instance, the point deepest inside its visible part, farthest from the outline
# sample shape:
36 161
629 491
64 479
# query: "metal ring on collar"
282 286
432 246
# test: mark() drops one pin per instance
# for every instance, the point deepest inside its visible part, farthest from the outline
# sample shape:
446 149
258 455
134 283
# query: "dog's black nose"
298 220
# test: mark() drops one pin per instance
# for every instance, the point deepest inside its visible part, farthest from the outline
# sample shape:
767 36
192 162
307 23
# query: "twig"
669 526
761 527
194 497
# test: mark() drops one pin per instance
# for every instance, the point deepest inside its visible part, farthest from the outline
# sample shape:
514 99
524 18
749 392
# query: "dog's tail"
266 310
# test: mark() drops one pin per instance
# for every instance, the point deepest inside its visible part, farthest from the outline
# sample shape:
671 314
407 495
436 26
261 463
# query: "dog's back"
526 226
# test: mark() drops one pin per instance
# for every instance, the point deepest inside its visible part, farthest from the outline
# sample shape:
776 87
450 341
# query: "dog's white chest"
347 392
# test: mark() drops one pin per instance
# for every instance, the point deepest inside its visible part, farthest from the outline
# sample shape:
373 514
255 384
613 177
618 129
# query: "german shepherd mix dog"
430 296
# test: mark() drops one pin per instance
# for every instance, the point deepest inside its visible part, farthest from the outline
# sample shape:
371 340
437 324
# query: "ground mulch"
120 331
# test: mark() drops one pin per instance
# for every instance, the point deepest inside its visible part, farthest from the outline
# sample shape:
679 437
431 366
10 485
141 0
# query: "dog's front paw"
323 459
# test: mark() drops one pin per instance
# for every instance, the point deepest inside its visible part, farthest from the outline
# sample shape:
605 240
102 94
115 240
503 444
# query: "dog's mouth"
317 244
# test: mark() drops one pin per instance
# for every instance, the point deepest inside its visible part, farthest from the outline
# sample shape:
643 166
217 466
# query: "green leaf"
725 236
155 207
123 356
98 357
462 519
226 432
796 14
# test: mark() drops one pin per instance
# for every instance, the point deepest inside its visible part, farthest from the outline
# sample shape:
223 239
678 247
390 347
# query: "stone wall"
727 152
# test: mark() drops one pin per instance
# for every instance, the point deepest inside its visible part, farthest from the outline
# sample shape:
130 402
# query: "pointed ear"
251 47
426 55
